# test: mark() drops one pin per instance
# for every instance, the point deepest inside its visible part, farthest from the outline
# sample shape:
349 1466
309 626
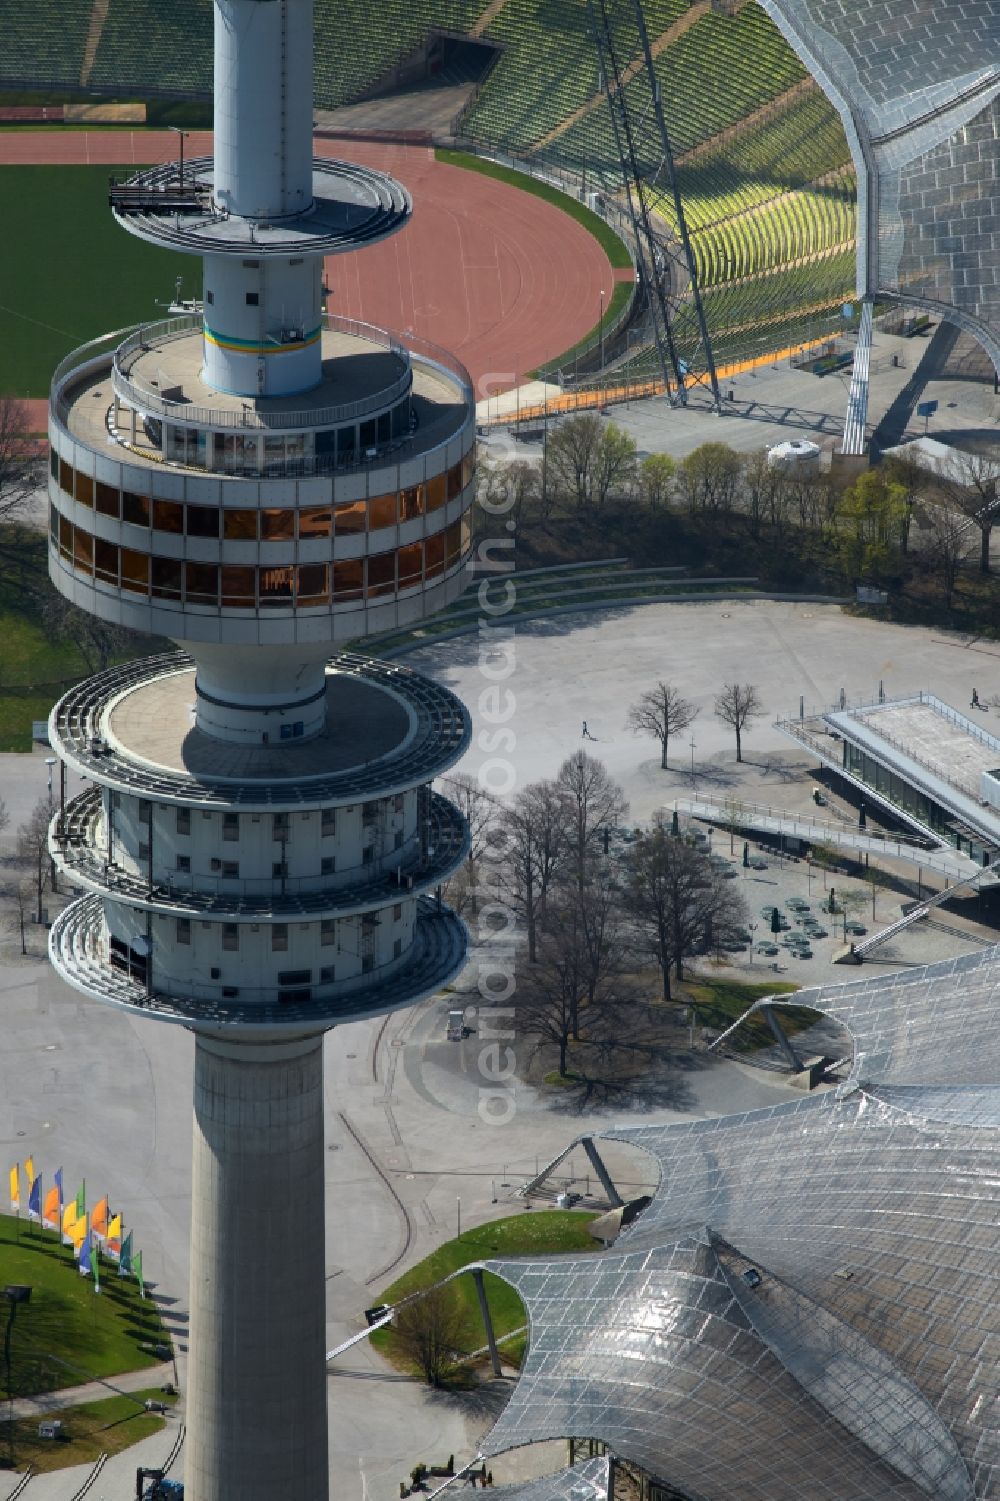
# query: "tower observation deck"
260 850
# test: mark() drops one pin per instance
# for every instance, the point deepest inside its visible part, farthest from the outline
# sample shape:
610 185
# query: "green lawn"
718 1003
90 1430
70 273
66 1321
534 1233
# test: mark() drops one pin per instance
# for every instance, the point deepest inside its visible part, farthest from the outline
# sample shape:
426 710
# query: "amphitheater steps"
489 15
666 39
762 116
95 31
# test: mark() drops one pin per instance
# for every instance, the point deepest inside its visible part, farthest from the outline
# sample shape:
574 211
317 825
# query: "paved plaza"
108 1097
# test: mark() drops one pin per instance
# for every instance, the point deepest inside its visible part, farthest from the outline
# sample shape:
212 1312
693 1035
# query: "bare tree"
480 812
99 642
19 893
971 486
947 545
429 1332
578 969
535 850
679 900
33 849
736 705
593 803
660 713
18 459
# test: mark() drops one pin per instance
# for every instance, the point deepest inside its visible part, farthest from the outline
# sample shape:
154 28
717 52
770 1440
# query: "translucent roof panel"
916 83
651 1352
583 1482
933 1025
881 1215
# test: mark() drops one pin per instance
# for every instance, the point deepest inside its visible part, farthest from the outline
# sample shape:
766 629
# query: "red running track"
502 279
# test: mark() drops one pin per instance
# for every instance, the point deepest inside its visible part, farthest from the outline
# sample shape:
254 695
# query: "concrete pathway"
152 1377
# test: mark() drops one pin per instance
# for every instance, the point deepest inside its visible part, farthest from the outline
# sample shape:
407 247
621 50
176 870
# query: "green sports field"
69 272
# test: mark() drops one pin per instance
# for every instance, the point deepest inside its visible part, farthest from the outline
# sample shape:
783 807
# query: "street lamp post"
50 761
180 135
15 1293
600 329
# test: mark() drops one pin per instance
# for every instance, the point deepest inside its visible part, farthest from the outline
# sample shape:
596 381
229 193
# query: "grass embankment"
58 294
90 1430
67 1333
719 1003
540 1233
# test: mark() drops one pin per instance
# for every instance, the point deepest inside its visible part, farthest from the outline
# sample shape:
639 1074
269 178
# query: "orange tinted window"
239 587
348 579
412 502
314 586
135 571
83 550
454 481
381 574
240 525
135 508
410 564
436 492
168 516
277 526
106 561
350 518
382 511
85 489
316 522
65 476
201 583
434 555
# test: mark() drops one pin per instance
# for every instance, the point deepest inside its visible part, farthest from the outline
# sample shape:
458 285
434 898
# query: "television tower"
260 849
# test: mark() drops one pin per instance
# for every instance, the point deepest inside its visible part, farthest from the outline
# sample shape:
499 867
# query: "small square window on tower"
253 299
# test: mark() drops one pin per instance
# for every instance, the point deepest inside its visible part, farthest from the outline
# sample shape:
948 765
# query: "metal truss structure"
665 256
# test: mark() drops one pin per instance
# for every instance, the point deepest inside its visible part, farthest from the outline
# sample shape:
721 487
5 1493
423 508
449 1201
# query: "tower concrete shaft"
262 316
259 845
256 1409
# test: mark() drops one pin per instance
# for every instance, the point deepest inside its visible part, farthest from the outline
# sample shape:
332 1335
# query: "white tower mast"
260 850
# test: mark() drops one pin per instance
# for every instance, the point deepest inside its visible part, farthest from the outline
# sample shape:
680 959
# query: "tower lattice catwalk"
259 843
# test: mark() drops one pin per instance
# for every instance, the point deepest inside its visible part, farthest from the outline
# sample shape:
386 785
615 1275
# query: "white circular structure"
794 453
260 850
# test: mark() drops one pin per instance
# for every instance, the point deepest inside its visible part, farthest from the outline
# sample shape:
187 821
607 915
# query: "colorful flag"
50 1212
68 1222
99 1218
35 1199
125 1257
29 1169
114 1242
15 1187
85 1255
81 1200
80 1233
137 1269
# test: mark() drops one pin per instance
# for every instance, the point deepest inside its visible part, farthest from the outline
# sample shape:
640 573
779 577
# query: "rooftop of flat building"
930 733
